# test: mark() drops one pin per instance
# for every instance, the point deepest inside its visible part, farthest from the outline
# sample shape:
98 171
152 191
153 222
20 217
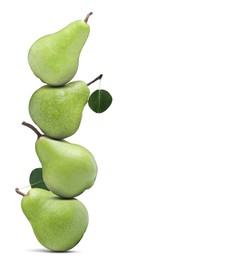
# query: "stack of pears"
59 221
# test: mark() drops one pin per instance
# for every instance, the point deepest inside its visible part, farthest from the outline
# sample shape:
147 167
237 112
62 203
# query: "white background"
172 150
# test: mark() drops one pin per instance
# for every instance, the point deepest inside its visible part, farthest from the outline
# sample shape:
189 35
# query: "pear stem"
33 128
19 192
99 77
87 17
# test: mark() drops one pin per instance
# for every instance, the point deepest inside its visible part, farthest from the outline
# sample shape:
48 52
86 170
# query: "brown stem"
87 17
99 77
33 128
19 192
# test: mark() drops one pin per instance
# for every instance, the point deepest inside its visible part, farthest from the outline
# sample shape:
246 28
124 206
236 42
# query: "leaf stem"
87 17
99 77
19 192
33 128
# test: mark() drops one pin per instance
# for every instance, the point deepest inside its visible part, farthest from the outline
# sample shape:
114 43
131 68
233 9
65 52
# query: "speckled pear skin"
57 111
58 224
68 169
54 58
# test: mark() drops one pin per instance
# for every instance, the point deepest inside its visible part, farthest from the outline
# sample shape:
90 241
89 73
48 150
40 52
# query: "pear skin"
58 224
54 58
68 169
57 111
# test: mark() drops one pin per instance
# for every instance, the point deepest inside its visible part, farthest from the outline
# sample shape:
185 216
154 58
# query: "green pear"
68 169
54 58
58 224
58 110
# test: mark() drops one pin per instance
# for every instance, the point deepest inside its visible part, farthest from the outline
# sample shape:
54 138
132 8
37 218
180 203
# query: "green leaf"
100 100
36 179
